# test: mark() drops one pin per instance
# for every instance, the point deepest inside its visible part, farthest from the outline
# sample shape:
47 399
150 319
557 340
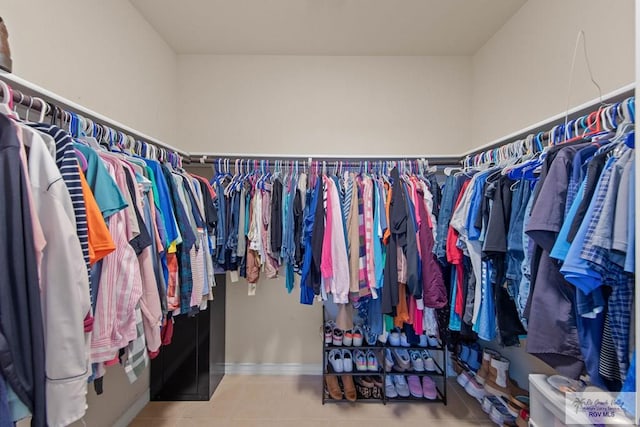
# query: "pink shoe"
429 388
414 386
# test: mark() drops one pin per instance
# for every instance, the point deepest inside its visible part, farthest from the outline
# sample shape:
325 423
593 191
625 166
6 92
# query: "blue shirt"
576 270
630 260
476 201
166 203
562 245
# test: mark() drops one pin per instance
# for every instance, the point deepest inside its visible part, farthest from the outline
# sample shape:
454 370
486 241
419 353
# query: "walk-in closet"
318 213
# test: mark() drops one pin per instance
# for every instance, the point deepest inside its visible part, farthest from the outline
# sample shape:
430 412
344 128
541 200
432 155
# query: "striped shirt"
363 281
368 233
67 163
120 287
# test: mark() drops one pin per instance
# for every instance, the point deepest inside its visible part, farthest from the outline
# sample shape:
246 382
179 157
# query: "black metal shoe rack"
439 376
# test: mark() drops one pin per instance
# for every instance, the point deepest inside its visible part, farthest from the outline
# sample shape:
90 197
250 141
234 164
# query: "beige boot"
483 372
5 51
333 387
496 382
349 388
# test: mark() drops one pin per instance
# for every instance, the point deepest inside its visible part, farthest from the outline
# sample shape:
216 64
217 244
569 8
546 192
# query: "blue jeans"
446 211
525 281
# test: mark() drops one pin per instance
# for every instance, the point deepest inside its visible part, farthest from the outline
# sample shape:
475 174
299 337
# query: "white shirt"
65 291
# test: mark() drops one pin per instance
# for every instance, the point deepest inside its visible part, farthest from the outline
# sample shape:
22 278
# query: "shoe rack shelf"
439 376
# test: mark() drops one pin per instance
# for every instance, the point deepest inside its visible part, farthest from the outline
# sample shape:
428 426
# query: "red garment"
88 323
455 257
173 290
206 182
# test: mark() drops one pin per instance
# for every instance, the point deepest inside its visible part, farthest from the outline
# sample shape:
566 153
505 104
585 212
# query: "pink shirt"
339 280
120 284
326 263
367 196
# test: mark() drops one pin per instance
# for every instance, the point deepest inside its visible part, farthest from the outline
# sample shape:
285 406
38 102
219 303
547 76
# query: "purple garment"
434 293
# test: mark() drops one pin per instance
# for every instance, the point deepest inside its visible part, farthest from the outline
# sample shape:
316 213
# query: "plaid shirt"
596 252
606 194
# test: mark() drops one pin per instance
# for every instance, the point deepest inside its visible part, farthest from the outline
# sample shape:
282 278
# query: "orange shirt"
100 241
387 232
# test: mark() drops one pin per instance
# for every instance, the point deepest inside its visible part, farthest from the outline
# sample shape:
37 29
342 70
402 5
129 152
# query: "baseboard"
133 410
273 368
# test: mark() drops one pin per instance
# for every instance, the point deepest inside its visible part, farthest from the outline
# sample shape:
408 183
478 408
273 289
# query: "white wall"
324 104
521 75
100 54
104 56
314 105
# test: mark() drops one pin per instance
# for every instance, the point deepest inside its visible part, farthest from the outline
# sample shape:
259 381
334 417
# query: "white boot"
501 365
497 383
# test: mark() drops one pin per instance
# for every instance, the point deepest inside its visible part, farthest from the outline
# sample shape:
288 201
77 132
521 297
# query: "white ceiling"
327 27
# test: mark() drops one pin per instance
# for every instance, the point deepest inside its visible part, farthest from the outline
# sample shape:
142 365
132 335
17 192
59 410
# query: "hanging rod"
29 89
544 125
435 160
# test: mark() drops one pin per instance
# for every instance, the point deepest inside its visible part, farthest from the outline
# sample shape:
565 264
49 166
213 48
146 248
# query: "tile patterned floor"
243 400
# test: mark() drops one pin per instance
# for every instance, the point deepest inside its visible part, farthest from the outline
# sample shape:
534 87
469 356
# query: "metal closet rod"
212 158
24 92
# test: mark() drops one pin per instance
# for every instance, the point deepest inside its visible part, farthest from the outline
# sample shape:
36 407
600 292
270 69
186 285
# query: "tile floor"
243 400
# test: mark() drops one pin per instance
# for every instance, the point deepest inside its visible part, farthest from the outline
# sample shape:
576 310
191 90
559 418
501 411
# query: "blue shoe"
464 353
473 360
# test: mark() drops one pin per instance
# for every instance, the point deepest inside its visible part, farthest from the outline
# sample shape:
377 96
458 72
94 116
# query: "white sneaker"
358 336
433 341
372 361
401 385
394 337
388 360
417 364
347 361
475 390
403 360
335 358
403 340
361 360
463 379
389 388
429 363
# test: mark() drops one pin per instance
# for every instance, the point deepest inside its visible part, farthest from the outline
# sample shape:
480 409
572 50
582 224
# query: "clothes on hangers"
330 227
106 255
549 255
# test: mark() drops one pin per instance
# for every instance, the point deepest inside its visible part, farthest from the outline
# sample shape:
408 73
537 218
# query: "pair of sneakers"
429 341
421 361
397 338
473 388
341 360
353 337
403 360
366 361
337 337
470 355
498 411
398 385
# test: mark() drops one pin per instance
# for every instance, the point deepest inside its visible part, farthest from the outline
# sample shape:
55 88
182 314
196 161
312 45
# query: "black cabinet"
192 366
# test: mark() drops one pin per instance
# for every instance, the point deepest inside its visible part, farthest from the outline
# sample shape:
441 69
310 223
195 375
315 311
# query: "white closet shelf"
35 90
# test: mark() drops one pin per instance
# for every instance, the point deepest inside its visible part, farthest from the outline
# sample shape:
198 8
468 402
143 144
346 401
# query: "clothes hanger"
81 159
15 104
7 101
